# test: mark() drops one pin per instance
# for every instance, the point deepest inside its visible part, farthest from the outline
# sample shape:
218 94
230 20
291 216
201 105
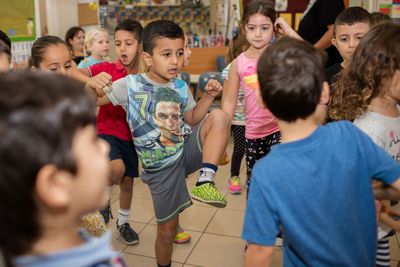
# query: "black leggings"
239 146
258 148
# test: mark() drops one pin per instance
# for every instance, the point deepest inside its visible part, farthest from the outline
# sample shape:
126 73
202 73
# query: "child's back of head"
379 17
291 76
40 115
374 63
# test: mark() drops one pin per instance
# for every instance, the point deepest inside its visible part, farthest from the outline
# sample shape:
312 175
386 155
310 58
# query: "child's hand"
213 88
282 27
99 82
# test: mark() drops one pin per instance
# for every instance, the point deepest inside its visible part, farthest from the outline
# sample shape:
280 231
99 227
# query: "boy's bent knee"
219 118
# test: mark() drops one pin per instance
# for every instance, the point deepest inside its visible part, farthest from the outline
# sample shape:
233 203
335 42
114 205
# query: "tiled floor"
215 232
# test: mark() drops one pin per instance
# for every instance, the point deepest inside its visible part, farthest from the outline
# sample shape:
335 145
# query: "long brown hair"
373 65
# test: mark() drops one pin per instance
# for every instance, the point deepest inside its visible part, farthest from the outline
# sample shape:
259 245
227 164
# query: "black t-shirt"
78 59
315 23
331 72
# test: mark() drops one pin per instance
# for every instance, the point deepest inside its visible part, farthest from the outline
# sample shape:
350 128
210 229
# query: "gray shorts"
168 186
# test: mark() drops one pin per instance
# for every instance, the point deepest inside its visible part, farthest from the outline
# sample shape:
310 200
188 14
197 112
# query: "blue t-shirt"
87 62
155 116
95 252
319 191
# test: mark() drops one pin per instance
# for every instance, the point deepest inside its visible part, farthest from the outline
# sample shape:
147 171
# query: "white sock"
206 175
123 215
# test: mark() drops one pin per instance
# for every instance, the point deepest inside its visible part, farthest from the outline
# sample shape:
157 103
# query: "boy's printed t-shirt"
95 252
155 116
329 218
111 119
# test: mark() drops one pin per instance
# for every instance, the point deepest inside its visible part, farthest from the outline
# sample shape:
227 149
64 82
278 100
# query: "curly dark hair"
373 65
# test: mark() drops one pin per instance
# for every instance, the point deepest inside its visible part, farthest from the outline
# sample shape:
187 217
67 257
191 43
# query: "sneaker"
208 194
182 236
127 234
224 159
234 185
106 213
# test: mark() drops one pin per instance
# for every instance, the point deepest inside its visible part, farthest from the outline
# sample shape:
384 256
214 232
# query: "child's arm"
197 114
231 89
392 192
284 28
258 256
388 220
98 84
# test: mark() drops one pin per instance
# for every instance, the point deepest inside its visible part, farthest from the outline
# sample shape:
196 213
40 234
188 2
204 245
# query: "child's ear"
53 186
325 94
147 59
333 41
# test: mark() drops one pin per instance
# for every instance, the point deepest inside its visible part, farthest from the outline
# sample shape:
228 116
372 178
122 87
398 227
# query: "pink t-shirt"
259 121
111 120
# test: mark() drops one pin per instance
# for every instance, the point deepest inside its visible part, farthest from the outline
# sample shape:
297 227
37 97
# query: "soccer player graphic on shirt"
167 116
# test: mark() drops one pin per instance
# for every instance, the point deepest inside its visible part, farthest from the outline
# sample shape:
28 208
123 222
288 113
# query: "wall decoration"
17 19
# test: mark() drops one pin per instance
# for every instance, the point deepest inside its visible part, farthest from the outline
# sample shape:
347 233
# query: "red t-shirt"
111 119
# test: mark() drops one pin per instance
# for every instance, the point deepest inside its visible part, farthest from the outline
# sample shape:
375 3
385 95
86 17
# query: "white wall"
61 15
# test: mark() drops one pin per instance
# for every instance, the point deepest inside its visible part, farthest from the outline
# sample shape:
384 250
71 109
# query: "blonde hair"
90 37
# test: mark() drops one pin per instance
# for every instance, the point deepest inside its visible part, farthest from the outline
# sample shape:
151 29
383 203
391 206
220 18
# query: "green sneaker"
208 194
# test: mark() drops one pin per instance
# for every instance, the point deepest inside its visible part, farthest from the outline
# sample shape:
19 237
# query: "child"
238 127
53 171
5 57
379 17
114 129
369 92
261 127
51 54
318 178
96 48
157 103
350 26
75 39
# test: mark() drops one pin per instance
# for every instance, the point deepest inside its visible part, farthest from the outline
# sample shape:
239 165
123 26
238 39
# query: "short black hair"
167 95
40 115
351 16
132 26
160 29
291 74
4 37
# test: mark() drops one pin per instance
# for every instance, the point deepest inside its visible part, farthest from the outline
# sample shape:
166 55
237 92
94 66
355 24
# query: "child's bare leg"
214 134
166 233
126 193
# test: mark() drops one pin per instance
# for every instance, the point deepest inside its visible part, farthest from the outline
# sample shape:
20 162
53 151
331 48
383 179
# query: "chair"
186 77
221 63
203 80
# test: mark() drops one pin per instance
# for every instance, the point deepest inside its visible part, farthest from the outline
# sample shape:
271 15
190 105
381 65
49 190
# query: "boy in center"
173 135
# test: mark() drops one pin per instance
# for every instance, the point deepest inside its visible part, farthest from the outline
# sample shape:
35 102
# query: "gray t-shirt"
155 117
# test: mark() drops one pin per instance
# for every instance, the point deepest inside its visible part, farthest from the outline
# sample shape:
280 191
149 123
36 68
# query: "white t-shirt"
385 132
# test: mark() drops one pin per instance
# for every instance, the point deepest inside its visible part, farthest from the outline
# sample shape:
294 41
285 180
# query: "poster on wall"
17 19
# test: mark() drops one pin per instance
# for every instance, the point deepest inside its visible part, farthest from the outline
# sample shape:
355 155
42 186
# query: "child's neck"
384 106
344 64
57 234
254 53
97 57
300 129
